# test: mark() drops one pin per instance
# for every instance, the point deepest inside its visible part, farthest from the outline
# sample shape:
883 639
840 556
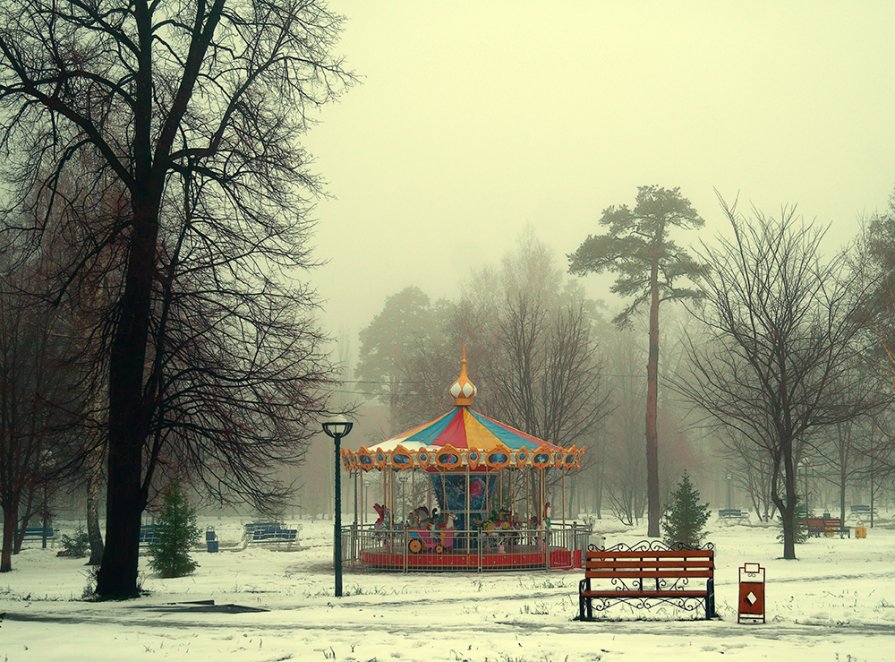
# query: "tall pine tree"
638 247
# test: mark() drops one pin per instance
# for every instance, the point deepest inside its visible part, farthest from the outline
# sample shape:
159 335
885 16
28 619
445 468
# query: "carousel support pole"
354 553
391 490
563 499
544 519
526 477
468 523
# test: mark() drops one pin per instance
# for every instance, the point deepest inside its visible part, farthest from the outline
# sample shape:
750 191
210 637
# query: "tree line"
781 357
154 245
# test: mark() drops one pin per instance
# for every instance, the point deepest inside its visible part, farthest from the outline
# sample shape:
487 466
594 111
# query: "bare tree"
38 404
783 326
198 100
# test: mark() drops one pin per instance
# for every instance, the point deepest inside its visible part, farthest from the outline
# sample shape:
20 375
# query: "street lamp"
805 467
46 458
337 430
729 479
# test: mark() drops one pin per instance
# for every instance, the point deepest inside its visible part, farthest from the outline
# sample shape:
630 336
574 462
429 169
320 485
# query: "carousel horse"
380 524
383 521
419 517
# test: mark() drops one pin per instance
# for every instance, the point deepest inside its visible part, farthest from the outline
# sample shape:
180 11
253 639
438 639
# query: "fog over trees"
158 325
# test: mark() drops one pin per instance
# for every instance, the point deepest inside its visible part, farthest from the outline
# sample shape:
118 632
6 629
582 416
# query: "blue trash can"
211 540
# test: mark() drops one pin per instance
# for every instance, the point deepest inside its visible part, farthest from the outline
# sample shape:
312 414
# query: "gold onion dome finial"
463 389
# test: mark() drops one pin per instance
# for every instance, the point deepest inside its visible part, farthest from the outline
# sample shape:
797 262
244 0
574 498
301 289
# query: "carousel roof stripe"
510 436
463 428
454 434
477 435
430 433
407 434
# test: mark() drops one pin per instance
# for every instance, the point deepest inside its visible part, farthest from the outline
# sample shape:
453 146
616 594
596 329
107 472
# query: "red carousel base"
518 558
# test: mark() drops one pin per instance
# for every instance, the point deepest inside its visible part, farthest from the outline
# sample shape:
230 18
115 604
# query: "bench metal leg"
709 599
585 606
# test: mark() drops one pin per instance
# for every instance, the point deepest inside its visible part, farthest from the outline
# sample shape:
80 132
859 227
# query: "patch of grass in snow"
357 589
542 582
539 609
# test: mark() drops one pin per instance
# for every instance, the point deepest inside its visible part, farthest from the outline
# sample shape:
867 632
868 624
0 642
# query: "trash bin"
211 540
751 599
860 530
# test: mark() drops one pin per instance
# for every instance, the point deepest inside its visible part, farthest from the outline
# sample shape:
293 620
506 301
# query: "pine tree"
685 517
177 533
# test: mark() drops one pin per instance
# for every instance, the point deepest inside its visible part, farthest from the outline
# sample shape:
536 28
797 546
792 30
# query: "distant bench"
733 515
860 510
38 533
826 526
149 534
268 532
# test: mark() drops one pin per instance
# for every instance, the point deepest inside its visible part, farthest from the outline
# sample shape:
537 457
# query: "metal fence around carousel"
427 550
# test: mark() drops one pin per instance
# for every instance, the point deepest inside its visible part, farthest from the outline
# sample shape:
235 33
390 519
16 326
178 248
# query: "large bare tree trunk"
94 478
787 505
652 391
10 522
117 576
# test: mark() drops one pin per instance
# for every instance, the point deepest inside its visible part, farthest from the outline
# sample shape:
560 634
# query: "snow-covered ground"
836 603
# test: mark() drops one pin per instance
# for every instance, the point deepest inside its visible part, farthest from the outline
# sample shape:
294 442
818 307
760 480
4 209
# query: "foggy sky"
476 118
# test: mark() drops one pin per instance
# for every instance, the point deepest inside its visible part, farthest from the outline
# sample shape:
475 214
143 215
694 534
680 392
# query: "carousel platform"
471 561
466 551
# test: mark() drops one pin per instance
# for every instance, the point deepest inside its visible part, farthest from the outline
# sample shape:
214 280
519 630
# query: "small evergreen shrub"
77 546
177 533
685 517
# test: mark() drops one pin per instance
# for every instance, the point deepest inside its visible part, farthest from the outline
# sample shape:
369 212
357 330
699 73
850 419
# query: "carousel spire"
463 389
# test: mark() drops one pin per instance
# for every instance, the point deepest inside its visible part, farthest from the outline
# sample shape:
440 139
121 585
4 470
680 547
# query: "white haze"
474 119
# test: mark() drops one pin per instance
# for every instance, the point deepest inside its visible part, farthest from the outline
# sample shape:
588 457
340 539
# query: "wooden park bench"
827 526
860 510
268 532
733 515
647 574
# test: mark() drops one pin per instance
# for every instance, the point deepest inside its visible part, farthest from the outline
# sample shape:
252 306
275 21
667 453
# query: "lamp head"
337 428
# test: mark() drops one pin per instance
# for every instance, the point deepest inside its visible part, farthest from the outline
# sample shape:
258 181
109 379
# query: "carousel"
462 492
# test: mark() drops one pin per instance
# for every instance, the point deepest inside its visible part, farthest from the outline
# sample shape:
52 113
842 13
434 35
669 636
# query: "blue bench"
148 534
38 533
269 532
733 515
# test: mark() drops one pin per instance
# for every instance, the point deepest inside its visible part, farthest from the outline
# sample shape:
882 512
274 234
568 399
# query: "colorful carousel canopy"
461 438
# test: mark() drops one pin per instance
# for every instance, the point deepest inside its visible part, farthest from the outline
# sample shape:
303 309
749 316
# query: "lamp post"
337 430
805 466
729 479
48 463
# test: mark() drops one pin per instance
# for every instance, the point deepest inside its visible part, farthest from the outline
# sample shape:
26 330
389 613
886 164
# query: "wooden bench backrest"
650 564
821 522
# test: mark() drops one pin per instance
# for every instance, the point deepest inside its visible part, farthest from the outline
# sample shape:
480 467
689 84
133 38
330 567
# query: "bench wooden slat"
648 574
700 563
653 554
